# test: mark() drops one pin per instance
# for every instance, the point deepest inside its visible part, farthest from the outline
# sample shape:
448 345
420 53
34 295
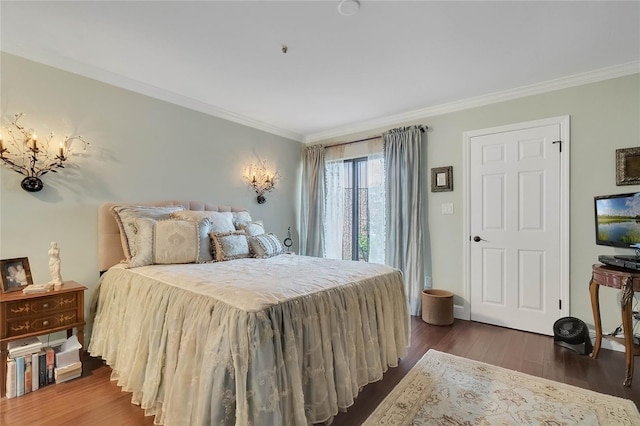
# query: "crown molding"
197 105
152 91
506 95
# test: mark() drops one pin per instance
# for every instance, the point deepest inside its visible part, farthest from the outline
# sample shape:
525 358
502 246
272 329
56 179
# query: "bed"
280 340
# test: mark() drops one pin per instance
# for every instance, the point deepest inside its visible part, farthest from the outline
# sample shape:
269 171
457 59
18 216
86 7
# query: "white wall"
605 116
141 149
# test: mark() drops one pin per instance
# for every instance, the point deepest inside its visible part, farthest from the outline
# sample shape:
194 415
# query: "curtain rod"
421 127
350 142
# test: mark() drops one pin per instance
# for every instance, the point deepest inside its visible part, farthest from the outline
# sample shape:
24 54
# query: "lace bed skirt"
190 359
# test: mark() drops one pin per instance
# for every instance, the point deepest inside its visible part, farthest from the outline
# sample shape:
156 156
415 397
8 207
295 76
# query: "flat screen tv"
618 221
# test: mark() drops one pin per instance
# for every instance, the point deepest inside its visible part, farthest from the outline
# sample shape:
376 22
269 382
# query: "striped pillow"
266 245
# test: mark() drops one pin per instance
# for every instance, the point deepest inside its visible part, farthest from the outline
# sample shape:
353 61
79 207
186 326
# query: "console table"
628 281
35 314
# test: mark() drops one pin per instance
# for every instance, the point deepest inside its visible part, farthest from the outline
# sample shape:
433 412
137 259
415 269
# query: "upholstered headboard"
109 244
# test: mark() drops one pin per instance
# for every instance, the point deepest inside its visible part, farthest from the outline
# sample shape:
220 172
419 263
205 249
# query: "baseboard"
460 313
612 345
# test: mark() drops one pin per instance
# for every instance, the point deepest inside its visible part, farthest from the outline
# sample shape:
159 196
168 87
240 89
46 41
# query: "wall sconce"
261 179
27 155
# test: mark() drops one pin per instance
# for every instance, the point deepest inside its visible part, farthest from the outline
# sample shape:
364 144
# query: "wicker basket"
437 307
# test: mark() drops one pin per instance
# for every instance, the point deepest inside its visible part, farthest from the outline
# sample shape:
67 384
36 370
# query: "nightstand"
26 315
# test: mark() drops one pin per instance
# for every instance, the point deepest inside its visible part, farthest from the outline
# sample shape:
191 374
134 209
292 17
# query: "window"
354 229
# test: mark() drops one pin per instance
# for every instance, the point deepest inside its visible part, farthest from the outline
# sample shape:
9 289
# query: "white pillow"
229 245
266 245
125 217
220 221
170 242
241 218
253 228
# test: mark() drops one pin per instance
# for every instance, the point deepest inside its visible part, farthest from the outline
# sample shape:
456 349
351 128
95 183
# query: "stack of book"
68 372
31 366
68 364
26 366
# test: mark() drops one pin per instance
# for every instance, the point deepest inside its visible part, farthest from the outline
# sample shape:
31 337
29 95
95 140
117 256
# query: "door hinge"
559 144
560 304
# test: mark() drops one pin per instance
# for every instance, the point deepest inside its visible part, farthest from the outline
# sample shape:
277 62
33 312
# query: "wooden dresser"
25 315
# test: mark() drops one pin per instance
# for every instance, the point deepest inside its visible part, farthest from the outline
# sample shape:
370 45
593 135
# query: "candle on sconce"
254 178
32 158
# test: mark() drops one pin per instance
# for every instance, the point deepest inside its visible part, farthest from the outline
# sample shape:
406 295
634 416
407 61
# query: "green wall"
146 149
142 149
605 116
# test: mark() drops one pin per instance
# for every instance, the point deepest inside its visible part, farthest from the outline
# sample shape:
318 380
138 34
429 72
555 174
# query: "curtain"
377 209
334 214
370 198
313 202
335 181
404 242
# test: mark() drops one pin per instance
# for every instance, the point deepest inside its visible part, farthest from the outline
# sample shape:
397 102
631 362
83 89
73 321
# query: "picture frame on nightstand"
15 274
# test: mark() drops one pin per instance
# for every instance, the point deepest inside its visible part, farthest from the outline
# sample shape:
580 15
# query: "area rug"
444 389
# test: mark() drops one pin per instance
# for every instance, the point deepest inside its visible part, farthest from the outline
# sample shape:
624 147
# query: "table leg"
594 288
80 334
3 368
627 325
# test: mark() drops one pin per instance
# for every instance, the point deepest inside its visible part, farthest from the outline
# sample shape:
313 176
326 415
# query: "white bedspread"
283 341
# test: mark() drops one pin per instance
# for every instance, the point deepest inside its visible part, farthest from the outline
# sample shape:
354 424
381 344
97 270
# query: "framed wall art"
442 179
628 166
15 274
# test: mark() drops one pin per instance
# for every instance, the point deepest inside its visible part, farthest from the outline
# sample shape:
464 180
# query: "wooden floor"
94 400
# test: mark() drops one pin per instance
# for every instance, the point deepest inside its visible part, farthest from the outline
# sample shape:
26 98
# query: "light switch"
447 208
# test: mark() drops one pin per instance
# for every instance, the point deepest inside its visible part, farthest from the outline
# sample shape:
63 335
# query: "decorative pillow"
241 218
171 241
175 241
220 221
126 216
229 245
253 228
266 245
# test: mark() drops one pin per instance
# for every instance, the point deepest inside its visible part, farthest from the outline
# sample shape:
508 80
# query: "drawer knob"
45 322
45 305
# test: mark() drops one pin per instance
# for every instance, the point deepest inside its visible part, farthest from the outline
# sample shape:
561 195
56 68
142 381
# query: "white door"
516 227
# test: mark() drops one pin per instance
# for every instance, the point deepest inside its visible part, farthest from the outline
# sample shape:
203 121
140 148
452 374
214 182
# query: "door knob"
477 239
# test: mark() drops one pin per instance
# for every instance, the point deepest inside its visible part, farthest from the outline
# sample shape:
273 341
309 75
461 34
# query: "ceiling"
390 61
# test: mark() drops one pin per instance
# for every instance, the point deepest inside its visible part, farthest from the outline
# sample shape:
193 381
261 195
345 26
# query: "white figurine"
54 265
